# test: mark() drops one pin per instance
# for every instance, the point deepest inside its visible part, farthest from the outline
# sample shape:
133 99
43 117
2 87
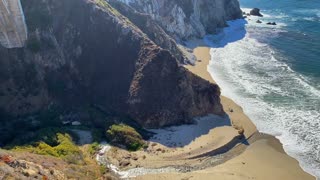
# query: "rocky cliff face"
82 52
183 19
13 30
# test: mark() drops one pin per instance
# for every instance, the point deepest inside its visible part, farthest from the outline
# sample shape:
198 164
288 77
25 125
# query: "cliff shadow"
180 136
240 139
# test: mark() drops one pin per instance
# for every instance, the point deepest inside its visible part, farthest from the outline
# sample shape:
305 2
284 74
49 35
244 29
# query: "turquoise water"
273 72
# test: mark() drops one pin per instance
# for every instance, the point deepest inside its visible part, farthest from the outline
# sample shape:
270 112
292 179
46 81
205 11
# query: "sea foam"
279 100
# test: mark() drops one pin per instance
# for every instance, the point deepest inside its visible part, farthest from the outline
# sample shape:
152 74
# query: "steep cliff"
151 28
183 19
13 30
82 52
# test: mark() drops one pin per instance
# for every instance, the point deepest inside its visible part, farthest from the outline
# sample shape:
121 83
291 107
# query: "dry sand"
234 111
263 159
217 154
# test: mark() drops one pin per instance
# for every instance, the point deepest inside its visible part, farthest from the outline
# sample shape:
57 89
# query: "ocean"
273 72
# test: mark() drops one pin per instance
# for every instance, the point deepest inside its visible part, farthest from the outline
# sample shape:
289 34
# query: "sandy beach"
213 148
263 159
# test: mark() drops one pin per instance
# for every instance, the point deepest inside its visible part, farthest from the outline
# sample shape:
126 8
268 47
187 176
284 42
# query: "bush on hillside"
64 149
121 134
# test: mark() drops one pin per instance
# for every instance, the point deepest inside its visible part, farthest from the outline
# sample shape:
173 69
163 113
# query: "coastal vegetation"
61 146
121 134
93 148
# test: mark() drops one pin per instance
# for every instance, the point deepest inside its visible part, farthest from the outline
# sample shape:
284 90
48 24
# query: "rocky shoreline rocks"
256 12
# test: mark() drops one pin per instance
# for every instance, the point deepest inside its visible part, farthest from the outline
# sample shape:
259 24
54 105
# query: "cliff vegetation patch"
64 148
124 135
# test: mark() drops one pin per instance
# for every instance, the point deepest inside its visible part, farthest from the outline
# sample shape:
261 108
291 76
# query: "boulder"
258 21
256 12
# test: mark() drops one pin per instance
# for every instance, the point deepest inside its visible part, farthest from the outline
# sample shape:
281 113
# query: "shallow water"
274 73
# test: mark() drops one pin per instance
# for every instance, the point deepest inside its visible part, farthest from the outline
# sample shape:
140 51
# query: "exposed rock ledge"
183 19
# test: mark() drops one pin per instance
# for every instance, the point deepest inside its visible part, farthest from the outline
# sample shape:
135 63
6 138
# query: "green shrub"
47 135
93 148
66 146
121 134
64 149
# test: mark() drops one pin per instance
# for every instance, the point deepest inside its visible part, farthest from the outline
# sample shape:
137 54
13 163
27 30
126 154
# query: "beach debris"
258 21
256 12
231 110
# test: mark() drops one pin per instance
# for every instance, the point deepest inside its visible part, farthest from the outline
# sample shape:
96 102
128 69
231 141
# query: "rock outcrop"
271 23
82 52
13 30
184 19
256 12
151 28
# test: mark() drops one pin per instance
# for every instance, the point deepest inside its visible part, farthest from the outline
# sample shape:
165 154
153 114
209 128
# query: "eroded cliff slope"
184 19
82 52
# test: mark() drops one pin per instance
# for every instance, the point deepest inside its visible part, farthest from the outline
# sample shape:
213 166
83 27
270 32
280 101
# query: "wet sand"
220 153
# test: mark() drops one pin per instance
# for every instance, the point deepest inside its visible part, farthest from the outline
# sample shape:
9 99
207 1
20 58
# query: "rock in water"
272 23
258 21
256 12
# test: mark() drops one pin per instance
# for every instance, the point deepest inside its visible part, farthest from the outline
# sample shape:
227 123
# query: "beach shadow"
180 136
240 139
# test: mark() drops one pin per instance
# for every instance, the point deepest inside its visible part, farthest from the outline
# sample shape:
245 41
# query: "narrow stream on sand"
103 160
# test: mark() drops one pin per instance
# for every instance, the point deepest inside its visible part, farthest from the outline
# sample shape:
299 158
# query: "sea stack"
256 12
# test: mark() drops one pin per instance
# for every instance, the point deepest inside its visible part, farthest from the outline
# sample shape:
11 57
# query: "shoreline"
239 118
219 152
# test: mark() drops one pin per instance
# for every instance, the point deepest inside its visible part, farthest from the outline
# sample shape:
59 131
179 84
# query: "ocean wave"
307 11
279 100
